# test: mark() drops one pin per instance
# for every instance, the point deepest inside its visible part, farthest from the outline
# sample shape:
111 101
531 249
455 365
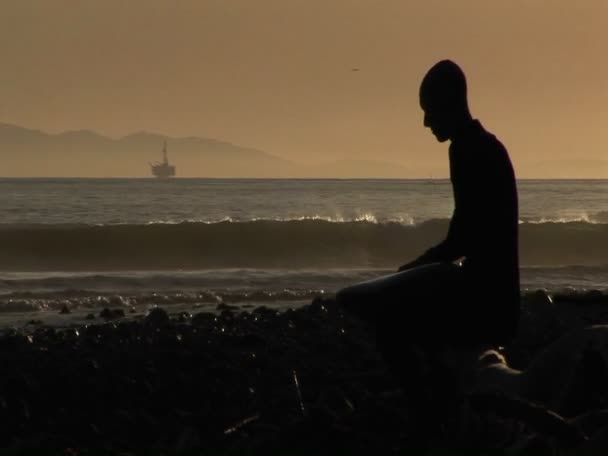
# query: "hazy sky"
276 74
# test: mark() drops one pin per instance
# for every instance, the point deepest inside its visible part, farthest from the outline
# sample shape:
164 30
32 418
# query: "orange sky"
276 74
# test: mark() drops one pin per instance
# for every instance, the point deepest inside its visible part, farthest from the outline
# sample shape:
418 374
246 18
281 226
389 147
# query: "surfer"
464 290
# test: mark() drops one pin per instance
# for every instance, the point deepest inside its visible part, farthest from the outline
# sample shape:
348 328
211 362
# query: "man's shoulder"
483 149
479 141
487 144
488 138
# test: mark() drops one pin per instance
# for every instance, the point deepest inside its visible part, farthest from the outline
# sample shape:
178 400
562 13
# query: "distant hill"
27 152
33 153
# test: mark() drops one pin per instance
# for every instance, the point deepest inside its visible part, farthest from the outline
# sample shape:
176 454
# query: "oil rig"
163 170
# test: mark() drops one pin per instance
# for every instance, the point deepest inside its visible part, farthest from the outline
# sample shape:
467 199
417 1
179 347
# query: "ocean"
193 243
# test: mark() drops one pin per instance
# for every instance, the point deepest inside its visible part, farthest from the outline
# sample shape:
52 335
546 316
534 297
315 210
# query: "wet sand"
304 381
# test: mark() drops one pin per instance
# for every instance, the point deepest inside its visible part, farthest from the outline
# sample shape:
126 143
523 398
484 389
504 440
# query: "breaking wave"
302 243
594 218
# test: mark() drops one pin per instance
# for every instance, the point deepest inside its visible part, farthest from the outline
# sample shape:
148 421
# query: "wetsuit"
438 302
484 229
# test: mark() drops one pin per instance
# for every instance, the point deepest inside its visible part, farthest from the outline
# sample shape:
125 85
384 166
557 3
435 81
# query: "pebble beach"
254 381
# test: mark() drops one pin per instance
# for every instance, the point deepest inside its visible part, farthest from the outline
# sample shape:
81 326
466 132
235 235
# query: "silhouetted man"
466 289
484 224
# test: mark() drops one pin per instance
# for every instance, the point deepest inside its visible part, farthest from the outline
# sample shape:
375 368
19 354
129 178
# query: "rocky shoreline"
304 381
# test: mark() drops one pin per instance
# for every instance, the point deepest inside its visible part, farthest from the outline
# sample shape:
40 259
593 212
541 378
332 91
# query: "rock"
102 301
264 311
111 314
65 310
320 306
589 297
223 306
118 300
317 301
183 317
596 295
157 317
226 315
202 319
164 386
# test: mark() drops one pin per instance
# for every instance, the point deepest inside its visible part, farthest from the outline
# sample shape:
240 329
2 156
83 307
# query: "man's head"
443 98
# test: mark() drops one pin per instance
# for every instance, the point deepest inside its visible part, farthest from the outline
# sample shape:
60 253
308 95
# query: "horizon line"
151 178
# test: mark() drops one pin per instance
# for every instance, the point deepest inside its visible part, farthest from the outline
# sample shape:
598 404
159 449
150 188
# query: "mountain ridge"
85 153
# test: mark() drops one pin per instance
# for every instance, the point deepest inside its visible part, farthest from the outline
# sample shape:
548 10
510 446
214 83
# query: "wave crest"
270 244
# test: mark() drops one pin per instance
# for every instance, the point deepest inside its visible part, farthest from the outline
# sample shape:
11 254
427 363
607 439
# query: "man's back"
484 227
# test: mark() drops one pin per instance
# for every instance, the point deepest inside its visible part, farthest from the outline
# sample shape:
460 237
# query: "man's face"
436 119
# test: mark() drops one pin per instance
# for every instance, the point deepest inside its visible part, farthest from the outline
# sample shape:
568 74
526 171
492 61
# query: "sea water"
192 243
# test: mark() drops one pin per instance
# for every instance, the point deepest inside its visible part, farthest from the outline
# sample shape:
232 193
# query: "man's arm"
447 250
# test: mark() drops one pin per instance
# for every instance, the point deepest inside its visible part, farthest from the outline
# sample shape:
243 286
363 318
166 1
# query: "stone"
65 309
157 317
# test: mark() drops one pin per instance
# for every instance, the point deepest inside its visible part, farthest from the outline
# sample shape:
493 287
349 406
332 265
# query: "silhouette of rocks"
157 317
111 314
307 380
65 309
183 317
223 306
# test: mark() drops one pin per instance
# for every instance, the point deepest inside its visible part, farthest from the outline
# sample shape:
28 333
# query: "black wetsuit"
438 302
484 229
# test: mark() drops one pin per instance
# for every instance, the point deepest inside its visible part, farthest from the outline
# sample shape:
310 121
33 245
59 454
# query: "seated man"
464 291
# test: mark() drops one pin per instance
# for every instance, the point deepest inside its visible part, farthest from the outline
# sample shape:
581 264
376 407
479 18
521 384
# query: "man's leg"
398 294
413 314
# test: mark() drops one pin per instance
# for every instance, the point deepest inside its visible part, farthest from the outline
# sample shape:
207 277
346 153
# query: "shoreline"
74 308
